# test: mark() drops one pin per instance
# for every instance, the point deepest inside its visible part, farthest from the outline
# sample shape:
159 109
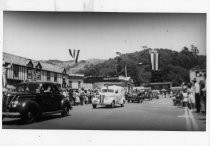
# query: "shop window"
64 82
29 73
70 84
48 76
16 71
79 84
55 77
38 75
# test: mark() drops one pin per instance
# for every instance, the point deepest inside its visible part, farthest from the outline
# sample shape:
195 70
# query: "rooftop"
22 61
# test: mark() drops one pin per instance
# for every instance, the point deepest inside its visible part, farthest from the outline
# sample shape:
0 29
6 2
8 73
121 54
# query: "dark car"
135 97
33 99
148 95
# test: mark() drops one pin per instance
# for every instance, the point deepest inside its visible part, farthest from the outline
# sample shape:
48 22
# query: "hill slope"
71 67
174 66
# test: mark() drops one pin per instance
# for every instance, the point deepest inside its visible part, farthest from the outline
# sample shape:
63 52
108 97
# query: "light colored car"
110 96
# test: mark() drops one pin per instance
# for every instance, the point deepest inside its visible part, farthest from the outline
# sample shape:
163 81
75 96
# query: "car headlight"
14 103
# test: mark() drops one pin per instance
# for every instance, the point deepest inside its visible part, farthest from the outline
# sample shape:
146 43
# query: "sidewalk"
201 120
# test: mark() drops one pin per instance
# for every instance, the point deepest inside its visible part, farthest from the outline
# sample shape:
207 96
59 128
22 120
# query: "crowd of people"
192 96
81 96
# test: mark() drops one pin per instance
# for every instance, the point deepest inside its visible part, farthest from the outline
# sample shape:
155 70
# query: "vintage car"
33 99
147 95
155 94
135 97
110 96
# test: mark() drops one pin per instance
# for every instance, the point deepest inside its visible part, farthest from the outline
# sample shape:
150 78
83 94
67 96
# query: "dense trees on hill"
174 66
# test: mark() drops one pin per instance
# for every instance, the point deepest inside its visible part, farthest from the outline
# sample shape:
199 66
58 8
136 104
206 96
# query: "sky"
49 35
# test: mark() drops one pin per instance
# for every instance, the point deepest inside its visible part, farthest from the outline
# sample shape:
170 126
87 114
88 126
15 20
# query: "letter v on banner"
74 54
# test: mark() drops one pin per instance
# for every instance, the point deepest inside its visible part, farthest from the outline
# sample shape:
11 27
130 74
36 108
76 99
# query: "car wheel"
94 105
65 111
29 116
122 105
112 104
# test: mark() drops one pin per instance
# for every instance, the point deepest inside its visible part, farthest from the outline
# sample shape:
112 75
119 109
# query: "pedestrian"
89 96
185 98
77 99
197 95
85 97
81 96
70 95
191 96
203 96
64 93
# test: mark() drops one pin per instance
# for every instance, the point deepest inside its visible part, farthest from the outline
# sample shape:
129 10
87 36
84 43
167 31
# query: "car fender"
109 100
122 100
25 105
65 102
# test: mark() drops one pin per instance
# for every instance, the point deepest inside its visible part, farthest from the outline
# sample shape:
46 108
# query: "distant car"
34 99
110 96
135 97
155 94
148 95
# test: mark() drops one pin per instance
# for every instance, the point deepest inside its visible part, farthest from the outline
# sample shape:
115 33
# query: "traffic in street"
156 114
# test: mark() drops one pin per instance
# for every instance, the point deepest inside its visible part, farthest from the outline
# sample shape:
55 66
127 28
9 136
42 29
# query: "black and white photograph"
109 71
104 71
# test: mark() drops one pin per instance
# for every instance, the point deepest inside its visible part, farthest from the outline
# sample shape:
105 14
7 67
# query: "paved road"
158 114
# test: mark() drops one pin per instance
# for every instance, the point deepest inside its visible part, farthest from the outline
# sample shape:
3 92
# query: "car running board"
53 112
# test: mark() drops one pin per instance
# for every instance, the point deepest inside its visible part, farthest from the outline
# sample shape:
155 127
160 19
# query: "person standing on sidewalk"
191 96
203 96
197 95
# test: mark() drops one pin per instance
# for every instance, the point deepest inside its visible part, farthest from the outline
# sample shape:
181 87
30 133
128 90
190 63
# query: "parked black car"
33 99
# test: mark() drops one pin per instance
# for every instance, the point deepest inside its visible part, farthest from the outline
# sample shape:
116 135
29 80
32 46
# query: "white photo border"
98 137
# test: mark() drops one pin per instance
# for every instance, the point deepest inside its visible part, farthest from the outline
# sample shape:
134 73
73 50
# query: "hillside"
71 67
174 66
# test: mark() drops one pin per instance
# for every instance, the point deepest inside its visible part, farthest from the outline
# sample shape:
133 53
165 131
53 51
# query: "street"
157 114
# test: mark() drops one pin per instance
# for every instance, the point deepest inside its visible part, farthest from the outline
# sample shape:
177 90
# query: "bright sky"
49 35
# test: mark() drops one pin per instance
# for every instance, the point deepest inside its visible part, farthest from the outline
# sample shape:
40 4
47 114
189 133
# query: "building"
161 85
76 81
24 69
93 82
197 73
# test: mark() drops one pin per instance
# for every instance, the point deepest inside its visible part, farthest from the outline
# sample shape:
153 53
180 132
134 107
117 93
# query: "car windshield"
108 90
31 87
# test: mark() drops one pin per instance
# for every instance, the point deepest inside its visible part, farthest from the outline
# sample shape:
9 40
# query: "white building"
197 73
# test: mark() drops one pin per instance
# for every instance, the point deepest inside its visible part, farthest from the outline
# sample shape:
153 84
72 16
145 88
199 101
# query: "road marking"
191 124
194 123
187 117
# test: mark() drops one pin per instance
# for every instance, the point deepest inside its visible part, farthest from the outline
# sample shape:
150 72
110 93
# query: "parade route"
157 114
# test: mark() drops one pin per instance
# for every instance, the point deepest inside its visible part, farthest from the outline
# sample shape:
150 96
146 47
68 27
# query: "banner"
74 54
154 56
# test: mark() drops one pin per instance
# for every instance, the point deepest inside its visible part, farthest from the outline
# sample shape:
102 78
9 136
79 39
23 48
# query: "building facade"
24 69
99 82
198 74
76 81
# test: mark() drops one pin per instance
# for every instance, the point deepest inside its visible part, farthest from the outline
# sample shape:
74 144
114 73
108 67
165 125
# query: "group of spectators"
193 96
80 97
